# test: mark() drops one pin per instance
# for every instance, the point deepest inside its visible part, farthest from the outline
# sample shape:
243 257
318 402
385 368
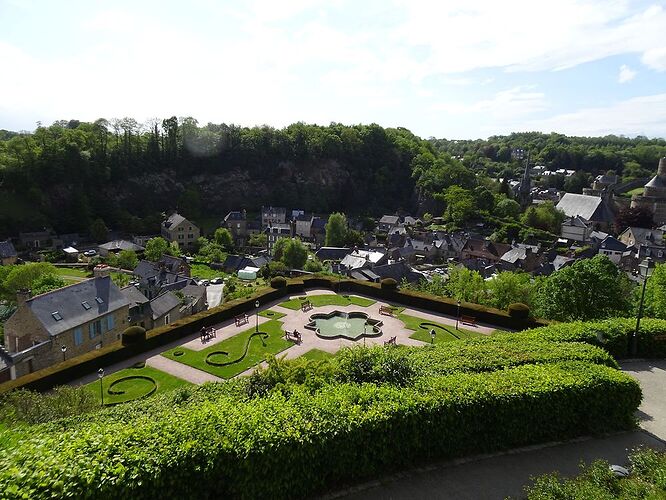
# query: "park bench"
468 320
306 306
387 310
295 336
391 341
241 320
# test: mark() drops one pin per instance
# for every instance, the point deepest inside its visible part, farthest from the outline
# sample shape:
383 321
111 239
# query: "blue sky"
443 68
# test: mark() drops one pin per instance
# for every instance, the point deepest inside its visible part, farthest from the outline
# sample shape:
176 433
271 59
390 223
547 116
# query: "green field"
234 348
134 388
72 275
444 333
204 272
328 300
629 194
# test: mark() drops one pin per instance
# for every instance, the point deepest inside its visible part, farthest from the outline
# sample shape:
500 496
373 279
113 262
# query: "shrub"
28 407
376 365
133 335
279 282
389 284
519 311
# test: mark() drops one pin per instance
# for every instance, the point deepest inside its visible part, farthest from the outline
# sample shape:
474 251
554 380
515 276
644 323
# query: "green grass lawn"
235 347
638 190
444 333
204 272
72 275
272 314
328 300
134 389
317 355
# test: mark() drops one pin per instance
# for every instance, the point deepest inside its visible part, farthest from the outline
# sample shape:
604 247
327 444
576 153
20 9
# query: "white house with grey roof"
80 317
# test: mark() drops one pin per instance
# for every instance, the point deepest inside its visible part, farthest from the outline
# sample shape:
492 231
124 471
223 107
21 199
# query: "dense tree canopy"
336 230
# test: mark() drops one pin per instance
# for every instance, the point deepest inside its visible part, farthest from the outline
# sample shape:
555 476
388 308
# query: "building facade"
178 228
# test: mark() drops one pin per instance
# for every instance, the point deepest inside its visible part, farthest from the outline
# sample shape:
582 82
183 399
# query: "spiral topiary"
388 284
279 282
519 311
133 335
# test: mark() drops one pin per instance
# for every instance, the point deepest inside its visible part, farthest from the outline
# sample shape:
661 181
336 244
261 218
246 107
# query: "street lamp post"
63 348
432 336
646 269
100 375
458 315
256 304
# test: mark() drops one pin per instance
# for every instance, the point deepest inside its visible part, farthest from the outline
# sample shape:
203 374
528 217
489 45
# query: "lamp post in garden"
646 268
100 375
63 348
458 315
432 336
256 304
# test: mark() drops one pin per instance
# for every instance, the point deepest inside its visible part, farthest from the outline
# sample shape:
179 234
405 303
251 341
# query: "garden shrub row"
612 335
287 447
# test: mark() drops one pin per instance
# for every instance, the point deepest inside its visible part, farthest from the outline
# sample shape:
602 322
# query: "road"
214 294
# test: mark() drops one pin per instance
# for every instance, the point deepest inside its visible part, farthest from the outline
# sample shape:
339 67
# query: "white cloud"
626 74
505 105
655 58
645 115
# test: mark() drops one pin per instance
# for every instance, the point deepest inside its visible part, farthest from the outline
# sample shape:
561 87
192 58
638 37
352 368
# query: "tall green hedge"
287 447
612 335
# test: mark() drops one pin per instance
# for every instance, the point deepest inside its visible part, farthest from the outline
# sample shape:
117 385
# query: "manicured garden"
327 300
205 272
237 354
443 333
317 355
72 274
134 383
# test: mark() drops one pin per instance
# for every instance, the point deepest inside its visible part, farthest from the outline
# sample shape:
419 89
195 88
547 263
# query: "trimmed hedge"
519 311
612 335
388 284
279 447
133 335
279 282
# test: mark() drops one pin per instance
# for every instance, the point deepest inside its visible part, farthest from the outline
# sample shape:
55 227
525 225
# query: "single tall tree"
336 230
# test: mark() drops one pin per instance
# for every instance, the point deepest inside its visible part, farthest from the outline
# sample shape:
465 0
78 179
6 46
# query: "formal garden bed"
443 333
236 354
134 383
327 300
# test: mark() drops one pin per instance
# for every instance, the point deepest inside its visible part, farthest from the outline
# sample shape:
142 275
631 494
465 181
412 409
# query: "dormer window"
85 305
99 300
56 316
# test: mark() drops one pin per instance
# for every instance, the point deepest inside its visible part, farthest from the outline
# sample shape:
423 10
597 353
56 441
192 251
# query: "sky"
447 69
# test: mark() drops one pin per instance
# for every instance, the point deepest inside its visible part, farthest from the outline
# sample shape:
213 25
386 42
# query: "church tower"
525 186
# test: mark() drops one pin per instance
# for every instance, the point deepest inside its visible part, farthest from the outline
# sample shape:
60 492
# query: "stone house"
37 240
576 228
486 250
79 318
276 231
8 255
178 228
612 248
273 215
236 223
303 227
388 222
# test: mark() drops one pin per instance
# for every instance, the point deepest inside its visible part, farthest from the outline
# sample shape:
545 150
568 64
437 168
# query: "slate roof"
319 223
612 244
68 303
332 253
118 245
7 249
173 264
644 236
389 219
163 304
576 221
514 255
173 220
397 271
656 182
361 258
134 296
234 215
591 208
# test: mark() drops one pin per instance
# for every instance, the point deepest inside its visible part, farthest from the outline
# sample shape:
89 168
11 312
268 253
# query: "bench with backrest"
391 341
295 336
387 310
468 320
241 320
306 306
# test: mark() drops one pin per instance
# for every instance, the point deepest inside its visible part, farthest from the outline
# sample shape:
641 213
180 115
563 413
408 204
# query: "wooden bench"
391 341
468 320
295 336
387 310
241 320
306 306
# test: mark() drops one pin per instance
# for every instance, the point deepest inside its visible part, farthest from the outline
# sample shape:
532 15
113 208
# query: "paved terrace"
293 320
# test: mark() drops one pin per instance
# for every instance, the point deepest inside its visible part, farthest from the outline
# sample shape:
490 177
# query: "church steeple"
525 186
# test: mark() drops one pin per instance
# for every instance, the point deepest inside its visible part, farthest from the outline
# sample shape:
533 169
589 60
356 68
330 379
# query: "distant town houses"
177 228
117 246
8 255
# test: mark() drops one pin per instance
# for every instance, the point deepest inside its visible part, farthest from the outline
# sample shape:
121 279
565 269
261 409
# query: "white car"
90 253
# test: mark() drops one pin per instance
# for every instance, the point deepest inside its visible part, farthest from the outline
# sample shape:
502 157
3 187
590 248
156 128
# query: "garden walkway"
180 370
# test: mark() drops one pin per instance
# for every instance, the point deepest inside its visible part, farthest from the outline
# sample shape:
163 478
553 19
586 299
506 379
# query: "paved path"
180 370
506 474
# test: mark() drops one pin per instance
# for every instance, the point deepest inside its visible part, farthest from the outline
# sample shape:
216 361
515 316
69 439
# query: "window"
56 315
181 229
109 322
181 237
85 305
190 236
78 336
94 329
99 300
238 226
167 319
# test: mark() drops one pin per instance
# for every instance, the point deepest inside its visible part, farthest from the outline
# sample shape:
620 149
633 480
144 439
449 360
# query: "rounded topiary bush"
133 335
389 284
279 282
519 311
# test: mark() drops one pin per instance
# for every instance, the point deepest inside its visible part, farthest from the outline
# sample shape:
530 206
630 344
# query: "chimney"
22 295
101 271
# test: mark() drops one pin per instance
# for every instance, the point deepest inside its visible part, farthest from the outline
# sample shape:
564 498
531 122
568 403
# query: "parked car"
204 283
217 281
90 253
